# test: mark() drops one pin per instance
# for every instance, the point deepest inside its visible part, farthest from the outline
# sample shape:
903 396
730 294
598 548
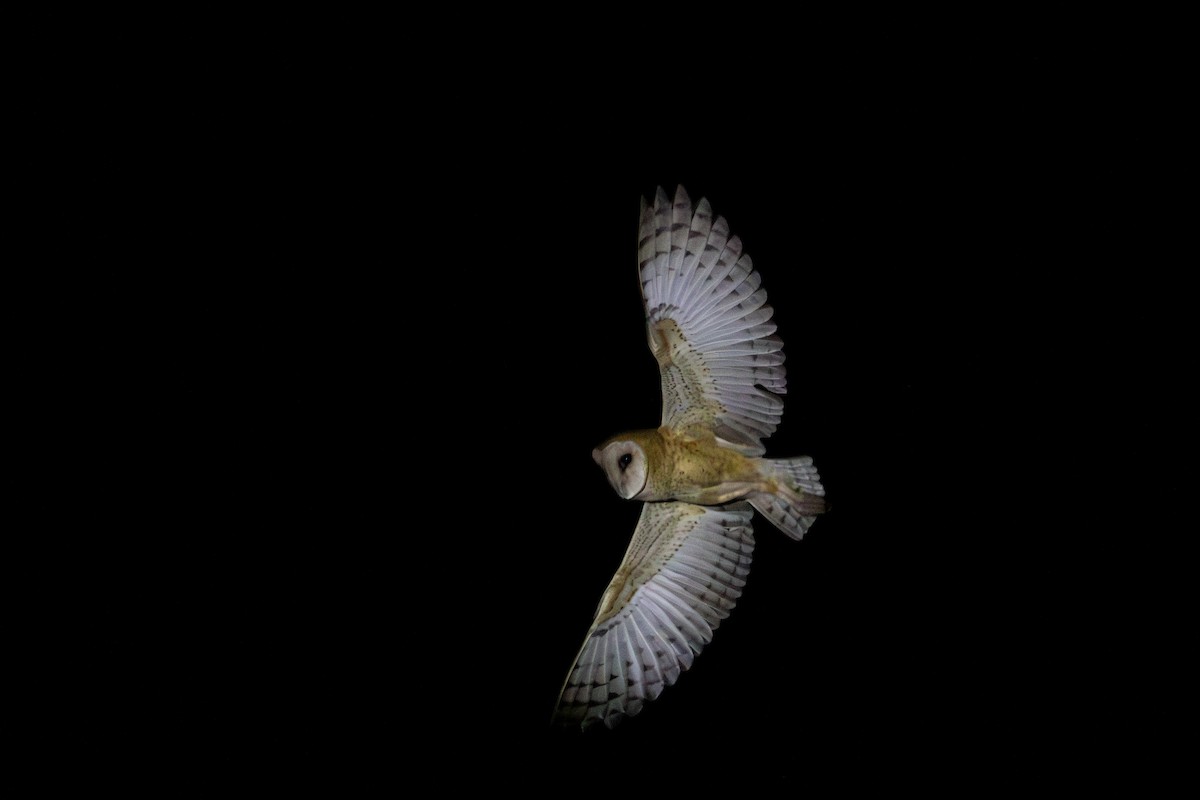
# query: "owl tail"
798 496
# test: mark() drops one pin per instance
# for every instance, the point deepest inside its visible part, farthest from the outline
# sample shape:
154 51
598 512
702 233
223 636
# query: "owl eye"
623 461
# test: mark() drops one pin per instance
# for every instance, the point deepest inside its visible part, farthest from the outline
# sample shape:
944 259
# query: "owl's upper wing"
680 577
709 325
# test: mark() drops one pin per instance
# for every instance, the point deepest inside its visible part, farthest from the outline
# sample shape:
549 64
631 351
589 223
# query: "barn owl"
699 475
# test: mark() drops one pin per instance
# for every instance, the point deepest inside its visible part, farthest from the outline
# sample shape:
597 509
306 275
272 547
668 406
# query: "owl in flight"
699 474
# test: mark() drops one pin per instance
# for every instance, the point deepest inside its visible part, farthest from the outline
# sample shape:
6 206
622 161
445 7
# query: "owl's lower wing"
709 325
680 577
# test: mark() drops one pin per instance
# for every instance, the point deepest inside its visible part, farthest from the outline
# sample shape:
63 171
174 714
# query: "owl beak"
596 455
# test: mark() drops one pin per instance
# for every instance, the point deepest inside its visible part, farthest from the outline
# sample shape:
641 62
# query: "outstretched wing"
680 577
709 325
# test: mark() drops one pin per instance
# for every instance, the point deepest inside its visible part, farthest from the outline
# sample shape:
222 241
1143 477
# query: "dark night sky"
389 324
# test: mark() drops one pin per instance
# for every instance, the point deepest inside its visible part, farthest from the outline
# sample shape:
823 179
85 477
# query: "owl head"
624 464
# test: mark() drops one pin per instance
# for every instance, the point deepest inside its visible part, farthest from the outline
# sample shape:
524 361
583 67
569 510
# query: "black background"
380 314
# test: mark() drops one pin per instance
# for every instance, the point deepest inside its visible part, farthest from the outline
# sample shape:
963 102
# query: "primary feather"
681 575
709 325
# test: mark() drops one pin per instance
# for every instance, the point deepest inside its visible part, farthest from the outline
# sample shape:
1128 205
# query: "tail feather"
797 499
